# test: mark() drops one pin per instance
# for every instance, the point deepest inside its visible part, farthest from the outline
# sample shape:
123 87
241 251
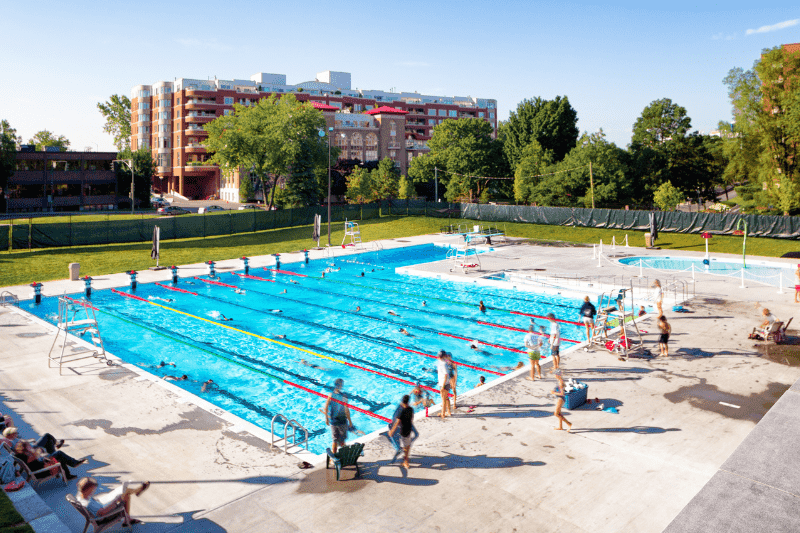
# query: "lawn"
24 267
10 519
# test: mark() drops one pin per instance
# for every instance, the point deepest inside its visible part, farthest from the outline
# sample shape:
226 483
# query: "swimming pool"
766 272
294 332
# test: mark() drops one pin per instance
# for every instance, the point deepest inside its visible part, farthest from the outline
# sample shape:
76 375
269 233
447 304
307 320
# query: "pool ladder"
8 298
295 425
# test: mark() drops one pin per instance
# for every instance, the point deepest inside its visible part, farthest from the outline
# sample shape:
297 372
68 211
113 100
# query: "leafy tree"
421 174
143 167
270 138
303 185
9 142
387 180
660 121
47 138
117 113
466 155
246 190
766 104
406 188
668 197
359 186
533 160
551 123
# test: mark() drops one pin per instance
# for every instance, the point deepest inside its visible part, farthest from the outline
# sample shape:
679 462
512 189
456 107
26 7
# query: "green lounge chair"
346 456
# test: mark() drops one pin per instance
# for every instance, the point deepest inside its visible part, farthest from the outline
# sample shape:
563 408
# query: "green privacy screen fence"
25 233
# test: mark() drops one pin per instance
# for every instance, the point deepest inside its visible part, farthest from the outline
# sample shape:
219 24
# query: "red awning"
385 110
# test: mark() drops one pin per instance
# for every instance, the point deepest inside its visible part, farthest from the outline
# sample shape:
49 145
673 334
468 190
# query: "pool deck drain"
498 468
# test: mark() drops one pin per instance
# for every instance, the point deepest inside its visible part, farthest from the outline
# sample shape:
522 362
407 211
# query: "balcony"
201 118
201 104
194 149
195 131
394 145
200 169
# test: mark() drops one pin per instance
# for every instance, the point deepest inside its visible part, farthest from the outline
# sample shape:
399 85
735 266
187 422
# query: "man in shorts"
442 369
405 420
533 343
555 340
588 311
337 415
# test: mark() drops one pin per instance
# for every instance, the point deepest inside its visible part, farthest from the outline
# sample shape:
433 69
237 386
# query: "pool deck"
682 443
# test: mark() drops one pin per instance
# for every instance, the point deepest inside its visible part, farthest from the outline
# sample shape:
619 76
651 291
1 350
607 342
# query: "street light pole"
330 132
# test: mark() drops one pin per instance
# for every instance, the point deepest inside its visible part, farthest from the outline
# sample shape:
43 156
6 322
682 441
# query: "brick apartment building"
168 117
62 181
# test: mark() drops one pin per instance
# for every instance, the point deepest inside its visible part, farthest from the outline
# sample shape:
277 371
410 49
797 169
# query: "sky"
610 59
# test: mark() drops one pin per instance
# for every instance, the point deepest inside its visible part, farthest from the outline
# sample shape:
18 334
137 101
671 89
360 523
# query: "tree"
668 197
406 188
387 180
660 121
359 186
246 190
766 104
551 123
143 166
533 160
46 138
269 138
9 141
466 155
117 112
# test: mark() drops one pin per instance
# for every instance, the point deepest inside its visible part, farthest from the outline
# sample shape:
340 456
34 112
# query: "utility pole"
591 182
436 184
128 162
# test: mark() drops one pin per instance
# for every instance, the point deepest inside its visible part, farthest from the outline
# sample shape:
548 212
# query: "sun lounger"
40 476
101 523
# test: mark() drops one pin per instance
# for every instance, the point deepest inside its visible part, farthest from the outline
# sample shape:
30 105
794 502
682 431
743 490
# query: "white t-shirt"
530 342
771 319
555 334
657 297
441 370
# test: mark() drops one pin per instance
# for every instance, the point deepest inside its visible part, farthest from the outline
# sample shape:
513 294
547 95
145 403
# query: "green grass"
10 519
24 267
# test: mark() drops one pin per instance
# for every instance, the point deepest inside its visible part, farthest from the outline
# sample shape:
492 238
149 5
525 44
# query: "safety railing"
295 425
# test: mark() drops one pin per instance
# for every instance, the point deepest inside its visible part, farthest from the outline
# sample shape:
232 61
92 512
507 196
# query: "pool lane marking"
407 382
246 276
439 299
287 272
454 362
176 289
215 352
212 282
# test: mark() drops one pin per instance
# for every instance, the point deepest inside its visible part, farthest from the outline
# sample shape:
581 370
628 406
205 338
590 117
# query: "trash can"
74 271
648 241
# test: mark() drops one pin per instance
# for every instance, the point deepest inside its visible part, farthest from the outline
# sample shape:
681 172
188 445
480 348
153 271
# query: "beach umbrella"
653 227
155 252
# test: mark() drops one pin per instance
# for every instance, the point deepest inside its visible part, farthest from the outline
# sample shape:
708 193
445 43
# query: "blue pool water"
761 271
260 374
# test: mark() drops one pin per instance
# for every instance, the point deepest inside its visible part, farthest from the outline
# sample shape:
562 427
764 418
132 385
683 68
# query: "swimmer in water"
312 365
358 308
208 385
279 336
175 378
424 303
481 307
168 300
283 291
162 364
293 281
323 274
474 345
276 311
223 318
404 331
481 382
393 313
239 291
362 274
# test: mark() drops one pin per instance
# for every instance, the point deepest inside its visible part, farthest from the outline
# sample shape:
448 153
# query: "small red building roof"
385 110
323 106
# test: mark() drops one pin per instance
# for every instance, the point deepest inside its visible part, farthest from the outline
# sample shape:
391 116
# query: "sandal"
305 465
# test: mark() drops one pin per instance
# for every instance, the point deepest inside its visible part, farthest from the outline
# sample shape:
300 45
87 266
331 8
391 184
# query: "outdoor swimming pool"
766 272
294 332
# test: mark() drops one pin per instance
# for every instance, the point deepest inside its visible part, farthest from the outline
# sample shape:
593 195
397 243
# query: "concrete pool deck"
500 467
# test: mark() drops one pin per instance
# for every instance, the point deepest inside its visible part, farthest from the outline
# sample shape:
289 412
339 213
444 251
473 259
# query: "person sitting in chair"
760 333
37 459
109 502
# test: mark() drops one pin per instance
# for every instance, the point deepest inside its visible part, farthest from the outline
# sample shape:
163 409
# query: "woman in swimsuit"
559 394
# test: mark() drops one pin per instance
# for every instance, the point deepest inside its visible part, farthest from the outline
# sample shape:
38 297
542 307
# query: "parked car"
173 210
248 206
209 208
158 202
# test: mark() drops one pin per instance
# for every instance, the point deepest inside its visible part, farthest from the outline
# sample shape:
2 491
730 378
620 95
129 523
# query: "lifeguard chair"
351 230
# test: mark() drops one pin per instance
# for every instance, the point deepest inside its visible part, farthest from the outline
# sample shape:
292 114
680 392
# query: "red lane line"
501 326
369 413
287 272
176 289
130 295
82 303
216 283
486 343
253 277
455 362
544 317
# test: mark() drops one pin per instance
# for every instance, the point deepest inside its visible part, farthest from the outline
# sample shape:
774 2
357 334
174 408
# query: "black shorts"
554 351
664 338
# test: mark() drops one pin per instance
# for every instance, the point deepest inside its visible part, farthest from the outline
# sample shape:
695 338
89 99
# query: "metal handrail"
7 297
295 425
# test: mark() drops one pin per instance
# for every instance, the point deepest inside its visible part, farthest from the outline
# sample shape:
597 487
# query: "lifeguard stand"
76 317
619 308
352 230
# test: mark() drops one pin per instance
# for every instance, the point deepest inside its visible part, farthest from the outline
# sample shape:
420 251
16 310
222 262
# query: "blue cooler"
576 398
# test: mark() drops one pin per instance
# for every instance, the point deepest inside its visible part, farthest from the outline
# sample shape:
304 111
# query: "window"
410 157
393 129
442 112
357 107
228 100
163 128
164 103
431 122
163 115
431 111
163 142
144 105
356 144
491 114
144 94
393 154
453 113
163 160
228 112
371 145
177 101
341 144
481 114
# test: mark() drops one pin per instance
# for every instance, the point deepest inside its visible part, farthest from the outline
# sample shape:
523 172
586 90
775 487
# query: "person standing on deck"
533 344
405 420
588 311
560 398
658 297
555 340
452 373
337 415
444 383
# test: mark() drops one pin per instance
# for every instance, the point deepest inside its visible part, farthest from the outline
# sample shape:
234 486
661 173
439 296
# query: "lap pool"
294 331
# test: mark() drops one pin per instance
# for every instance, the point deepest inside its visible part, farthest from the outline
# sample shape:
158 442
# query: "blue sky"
610 59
